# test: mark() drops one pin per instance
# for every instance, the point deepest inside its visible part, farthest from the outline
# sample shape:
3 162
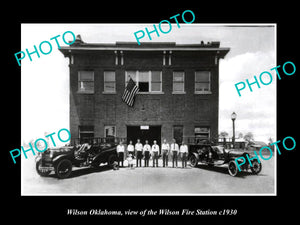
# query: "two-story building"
178 90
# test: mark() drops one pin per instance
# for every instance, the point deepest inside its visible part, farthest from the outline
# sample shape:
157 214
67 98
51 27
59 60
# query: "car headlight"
51 154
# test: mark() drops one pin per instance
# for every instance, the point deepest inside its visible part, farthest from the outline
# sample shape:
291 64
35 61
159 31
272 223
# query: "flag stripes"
130 92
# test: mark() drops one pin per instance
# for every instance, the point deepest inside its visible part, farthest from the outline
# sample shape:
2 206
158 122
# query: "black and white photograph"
142 109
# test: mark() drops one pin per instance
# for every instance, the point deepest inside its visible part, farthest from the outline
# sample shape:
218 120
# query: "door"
144 133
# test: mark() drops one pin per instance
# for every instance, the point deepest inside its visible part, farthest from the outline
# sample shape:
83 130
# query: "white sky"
45 80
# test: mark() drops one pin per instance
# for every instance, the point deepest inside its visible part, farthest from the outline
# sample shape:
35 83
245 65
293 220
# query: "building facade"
178 90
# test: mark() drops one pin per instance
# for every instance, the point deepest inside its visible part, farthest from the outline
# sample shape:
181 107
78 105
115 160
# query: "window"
86 81
109 81
156 81
178 82
202 82
202 132
143 81
86 133
178 134
147 81
110 131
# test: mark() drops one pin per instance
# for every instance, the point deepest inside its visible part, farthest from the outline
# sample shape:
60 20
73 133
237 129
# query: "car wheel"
232 168
256 167
63 168
193 161
111 160
41 172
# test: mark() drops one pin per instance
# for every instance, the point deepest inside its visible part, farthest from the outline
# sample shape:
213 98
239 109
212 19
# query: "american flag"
130 92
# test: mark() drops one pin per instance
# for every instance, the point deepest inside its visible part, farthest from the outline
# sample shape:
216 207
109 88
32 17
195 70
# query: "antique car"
61 160
218 155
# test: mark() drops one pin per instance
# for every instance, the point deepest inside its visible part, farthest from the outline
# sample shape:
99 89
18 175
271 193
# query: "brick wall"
166 109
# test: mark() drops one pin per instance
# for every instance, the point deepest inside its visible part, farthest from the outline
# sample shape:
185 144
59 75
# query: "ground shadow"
84 171
222 169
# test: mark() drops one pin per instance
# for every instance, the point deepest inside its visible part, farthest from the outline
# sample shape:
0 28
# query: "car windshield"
218 149
84 147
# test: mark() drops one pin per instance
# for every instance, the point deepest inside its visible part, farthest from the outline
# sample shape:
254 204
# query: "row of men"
147 150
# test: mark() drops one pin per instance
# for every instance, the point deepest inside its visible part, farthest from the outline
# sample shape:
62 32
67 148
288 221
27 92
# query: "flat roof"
145 46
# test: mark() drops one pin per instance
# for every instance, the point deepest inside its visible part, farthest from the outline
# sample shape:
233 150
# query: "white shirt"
147 147
165 146
183 149
120 148
174 147
139 146
130 148
155 148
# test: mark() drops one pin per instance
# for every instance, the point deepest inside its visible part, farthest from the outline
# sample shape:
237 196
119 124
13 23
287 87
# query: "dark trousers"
155 159
184 159
147 157
165 158
175 158
139 157
120 158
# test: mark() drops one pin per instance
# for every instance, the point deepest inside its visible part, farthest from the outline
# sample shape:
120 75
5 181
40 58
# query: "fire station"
178 90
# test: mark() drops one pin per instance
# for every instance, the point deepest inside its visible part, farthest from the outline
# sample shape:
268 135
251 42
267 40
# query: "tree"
240 135
270 142
223 134
249 137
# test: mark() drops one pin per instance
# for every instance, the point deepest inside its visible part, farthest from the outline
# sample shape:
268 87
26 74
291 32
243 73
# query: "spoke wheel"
232 168
193 161
256 167
63 168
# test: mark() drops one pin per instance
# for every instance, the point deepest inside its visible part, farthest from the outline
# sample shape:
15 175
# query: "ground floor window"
86 133
110 131
202 132
178 133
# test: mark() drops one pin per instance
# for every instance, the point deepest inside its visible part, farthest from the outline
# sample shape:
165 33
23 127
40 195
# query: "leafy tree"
249 137
240 135
223 134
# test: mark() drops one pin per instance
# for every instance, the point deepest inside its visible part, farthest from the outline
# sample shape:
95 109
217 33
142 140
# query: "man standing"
146 150
120 152
155 152
139 153
174 151
165 148
183 154
130 148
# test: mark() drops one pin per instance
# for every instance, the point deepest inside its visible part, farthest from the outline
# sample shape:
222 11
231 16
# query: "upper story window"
86 81
109 82
202 82
178 82
147 81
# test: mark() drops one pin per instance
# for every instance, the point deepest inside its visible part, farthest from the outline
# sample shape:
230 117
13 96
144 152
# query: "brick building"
178 97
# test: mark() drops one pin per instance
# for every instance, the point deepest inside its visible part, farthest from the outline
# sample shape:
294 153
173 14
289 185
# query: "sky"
45 80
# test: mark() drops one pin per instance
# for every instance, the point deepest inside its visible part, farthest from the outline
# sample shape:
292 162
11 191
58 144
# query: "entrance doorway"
143 133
